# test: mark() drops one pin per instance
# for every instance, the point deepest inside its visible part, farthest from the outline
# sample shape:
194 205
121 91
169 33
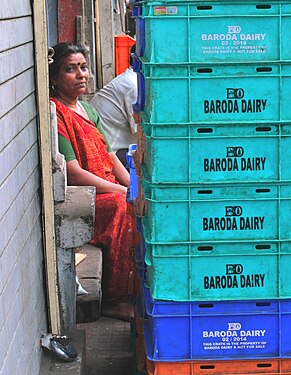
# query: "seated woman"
90 162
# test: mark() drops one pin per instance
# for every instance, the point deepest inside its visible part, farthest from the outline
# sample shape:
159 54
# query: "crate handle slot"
263 247
260 365
263 128
205 248
206 305
264 69
263 6
263 190
205 130
204 70
204 7
204 191
207 367
263 304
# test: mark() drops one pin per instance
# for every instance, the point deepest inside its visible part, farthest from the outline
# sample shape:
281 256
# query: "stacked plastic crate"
214 91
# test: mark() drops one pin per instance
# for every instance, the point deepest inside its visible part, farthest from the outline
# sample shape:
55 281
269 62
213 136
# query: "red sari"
113 220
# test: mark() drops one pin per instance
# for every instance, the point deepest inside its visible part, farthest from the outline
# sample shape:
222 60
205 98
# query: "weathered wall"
106 40
22 291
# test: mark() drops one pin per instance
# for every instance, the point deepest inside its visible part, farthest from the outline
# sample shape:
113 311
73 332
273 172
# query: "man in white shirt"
114 105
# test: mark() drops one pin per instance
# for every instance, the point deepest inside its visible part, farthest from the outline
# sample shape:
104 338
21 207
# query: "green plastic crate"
216 94
186 213
218 271
199 32
217 154
176 2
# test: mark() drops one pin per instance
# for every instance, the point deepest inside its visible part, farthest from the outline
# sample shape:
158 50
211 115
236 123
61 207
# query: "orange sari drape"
113 219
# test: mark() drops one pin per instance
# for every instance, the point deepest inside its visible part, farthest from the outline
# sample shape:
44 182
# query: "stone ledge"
74 218
89 306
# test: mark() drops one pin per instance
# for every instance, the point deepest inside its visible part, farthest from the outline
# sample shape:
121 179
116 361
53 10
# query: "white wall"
22 290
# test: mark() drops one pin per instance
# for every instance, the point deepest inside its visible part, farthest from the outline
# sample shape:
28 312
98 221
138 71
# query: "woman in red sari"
90 162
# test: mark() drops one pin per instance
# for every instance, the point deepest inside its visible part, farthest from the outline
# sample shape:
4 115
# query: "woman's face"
73 76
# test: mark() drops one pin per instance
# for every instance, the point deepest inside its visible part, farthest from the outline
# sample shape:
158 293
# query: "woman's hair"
61 51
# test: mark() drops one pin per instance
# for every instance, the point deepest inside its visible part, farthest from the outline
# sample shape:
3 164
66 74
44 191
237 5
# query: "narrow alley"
109 347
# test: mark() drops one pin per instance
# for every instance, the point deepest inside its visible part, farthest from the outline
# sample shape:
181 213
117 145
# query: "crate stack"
214 90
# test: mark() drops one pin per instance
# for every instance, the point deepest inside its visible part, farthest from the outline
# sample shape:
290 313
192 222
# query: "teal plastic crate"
217 154
218 271
230 31
185 213
175 2
216 94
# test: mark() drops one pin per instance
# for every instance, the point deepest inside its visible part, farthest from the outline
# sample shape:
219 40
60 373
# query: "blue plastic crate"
140 26
138 224
140 249
194 32
219 271
217 330
133 188
217 94
185 213
217 154
137 252
141 271
140 102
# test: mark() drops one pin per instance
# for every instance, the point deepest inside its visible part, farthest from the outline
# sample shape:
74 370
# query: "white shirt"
114 105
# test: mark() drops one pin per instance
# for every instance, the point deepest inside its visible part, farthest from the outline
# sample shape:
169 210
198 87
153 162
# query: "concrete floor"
109 350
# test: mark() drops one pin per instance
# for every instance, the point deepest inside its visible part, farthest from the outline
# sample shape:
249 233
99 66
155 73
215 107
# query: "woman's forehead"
75 59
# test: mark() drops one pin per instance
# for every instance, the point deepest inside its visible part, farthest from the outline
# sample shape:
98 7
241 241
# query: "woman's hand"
78 176
120 172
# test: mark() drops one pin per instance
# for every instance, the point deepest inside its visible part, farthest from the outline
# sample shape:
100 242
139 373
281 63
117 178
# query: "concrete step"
89 273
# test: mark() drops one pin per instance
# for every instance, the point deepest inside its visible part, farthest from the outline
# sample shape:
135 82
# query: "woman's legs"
113 230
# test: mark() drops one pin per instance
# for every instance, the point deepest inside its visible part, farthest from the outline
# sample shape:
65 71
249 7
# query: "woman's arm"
120 172
80 177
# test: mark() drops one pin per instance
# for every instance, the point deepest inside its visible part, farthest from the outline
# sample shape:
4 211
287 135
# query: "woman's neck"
69 102
74 105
